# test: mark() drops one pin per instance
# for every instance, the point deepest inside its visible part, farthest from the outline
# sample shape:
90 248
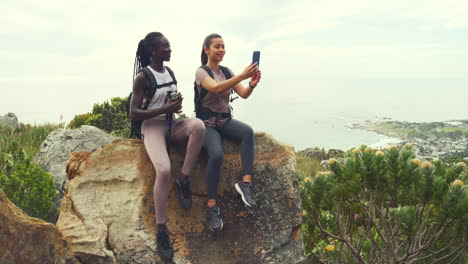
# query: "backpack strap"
225 71
203 112
174 81
153 85
203 91
227 74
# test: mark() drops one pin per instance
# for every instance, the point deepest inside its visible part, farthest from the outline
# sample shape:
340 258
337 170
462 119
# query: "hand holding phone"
256 57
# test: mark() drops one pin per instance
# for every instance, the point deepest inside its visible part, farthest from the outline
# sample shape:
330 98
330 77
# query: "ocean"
320 116
309 112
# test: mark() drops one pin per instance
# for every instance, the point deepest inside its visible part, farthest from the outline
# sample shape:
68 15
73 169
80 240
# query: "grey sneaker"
213 218
164 246
184 193
246 192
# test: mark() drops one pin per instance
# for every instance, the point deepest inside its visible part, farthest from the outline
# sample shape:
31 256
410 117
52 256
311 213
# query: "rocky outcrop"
332 153
24 239
57 147
321 154
107 213
314 153
9 120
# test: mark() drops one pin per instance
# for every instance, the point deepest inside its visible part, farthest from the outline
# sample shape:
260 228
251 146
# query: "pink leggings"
190 131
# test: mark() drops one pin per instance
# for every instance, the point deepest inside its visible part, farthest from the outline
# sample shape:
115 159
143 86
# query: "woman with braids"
213 88
152 52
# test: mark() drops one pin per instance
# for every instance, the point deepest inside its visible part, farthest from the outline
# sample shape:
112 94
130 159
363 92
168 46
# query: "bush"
24 183
386 207
21 144
31 189
306 166
108 116
79 120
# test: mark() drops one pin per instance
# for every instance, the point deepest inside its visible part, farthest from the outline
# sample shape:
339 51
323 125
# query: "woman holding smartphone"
157 112
213 88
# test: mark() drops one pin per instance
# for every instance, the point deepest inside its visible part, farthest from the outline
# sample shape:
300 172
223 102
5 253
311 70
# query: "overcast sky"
61 57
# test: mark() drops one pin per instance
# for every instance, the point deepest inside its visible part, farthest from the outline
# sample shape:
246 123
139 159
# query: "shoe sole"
238 189
217 228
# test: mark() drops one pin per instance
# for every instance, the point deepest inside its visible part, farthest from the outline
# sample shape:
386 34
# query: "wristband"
251 87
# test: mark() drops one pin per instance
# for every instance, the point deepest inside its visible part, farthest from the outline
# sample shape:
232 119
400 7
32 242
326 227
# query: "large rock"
107 213
332 153
24 239
57 147
9 120
314 153
321 154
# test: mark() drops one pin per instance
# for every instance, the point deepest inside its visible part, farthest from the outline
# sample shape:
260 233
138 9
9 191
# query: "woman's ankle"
211 202
183 177
247 178
161 227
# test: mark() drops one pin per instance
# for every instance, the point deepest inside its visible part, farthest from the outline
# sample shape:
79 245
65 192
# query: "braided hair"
144 51
206 44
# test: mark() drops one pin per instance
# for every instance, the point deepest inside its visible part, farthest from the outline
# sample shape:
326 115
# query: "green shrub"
108 116
386 207
25 184
306 166
21 144
31 189
79 120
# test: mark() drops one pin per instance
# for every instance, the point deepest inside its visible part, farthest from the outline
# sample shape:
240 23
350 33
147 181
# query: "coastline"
431 140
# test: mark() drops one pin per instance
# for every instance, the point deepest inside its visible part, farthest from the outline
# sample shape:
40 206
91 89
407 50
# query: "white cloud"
89 46
397 60
447 13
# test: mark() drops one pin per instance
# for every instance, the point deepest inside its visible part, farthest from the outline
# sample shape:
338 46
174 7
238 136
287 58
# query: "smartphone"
256 57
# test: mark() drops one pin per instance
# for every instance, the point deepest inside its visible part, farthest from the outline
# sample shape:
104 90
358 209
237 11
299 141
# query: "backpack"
152 86
202 112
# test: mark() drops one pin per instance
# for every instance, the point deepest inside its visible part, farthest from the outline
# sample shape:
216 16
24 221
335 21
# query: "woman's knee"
216 157
197 126
163 172
248 133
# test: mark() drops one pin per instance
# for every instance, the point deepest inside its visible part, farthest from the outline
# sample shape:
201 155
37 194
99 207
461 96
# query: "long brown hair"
206 44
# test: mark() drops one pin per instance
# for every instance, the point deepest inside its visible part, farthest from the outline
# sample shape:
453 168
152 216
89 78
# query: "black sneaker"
164 246
246 192
213 218
184 193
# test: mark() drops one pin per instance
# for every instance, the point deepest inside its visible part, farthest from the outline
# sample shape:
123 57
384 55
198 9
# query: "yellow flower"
331 161
307 179
304 213
380 153
392 147
457 182
330 248
408 145
426 164
461 164
355 151
368 149
416 161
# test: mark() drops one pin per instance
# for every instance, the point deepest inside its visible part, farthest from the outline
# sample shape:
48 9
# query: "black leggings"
234 130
